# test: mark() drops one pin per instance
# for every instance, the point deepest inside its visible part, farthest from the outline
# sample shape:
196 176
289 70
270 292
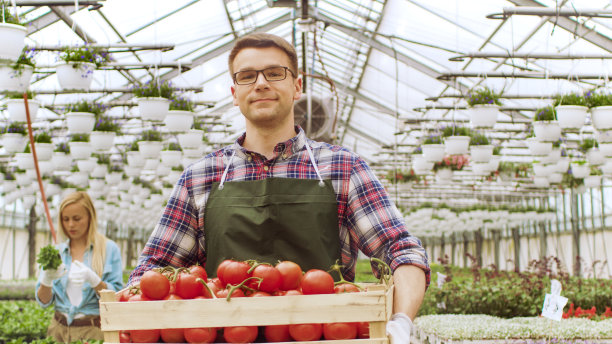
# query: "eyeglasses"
247 77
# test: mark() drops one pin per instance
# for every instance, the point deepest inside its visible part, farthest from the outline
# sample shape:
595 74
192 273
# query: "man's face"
265 103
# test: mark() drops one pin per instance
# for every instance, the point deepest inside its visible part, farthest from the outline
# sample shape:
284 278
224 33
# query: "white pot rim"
485 106
152 98
14 26
546 122
577 107
71 63
604 107
88 114
180 112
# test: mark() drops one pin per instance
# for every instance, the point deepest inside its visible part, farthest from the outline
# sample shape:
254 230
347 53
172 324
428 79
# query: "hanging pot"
150 149
178 121
603 136
80 150
547 131
494 163
113 178
555 178
24 161
12 80
80 122
595 157
135 159
102 141
562 165
153 108
132 171
16 109
173 176
87 165
606 149
61 161
480 169
456 145
75 75
592 181
601 117
552 157
537 147
571 116
483 115
191 139
444 174
433 152
420 165
14 142
482 153
44 151
12 37
541 182
606 168
99 171
542 170
579 171
171 158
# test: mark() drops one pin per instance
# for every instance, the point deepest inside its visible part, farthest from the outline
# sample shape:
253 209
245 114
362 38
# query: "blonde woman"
91 262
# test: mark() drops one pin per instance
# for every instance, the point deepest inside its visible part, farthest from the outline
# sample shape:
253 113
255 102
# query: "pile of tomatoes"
240 279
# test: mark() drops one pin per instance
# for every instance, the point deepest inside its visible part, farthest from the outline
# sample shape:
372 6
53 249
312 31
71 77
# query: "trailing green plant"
79 138
595 171
432 139
25 59
454 130
62 147
132 147
496 150
587 144
483 95
173 146
180 103
43 137
85 54
151 135
115 168
154 88
87 106
102 158
478 139
16 128
570 99
595 99
10 18
19 95
545 114
106 123
178 168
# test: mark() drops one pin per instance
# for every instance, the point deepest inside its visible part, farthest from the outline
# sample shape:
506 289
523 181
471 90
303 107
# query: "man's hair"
264 40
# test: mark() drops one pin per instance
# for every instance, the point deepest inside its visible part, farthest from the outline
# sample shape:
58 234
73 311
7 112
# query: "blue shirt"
112 276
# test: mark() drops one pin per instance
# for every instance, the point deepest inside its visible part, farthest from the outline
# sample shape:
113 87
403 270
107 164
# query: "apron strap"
226 170
314 164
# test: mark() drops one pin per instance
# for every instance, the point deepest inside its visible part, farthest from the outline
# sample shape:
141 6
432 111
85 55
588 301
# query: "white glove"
80 272
399 328
47 276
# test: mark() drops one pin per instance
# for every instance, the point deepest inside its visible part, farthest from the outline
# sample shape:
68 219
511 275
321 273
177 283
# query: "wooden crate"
374 306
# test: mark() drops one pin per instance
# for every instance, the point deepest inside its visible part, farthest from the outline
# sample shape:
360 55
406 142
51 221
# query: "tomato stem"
234 287
207 287
337 267
383 269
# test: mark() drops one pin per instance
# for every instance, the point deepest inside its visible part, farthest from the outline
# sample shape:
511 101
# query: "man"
274 194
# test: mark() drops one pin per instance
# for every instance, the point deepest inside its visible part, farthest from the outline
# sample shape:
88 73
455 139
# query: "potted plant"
456 139
104 132
133 156
445 167
537 147
171 154
14 137
175 174
506 170
81 116
16 76
571 110
180 117
545 125
480 148
579 168
16 108
432 147
61 158
593 180
44 145
79 63
601 109
12 34
80 147
484 106
589 147
150 144
191 139
154 99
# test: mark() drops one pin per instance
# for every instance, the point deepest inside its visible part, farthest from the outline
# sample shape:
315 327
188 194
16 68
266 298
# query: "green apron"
272 219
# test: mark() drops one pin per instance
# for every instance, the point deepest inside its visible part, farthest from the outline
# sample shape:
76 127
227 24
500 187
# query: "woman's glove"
399 328
47 276
80 271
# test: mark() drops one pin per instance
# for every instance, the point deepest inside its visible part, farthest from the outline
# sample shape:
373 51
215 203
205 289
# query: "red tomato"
172 335
270 278
124 337
144 336
217 282
363 330
199 271
222 294
338 331
138 297
213 287
187 286
172 297
125 294
240 334
154 285
305 332
277 333
291 274
236 272
317 281
221 270
200 334
259 294
293 292
346 288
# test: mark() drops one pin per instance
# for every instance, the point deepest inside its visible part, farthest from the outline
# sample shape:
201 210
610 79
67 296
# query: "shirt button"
250 158
284 156
266 168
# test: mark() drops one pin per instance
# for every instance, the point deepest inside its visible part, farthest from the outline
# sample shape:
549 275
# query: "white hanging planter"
481 153
162 170
541 182
188 160
178 121
80 179
24 161
153 108
480 169
44 151
592 181
606 168
99 171
547 131
444 175
61 161
542 170
562 165
13 41
494 163
606 149
433 152
171 158
75 75
16 109
87 165
191 139
456 145
102 141
135 159
483 115
150 164
420 165
537 147
14 142
555 178
193 152
96 184
23 179
113 178
150 149
80 122
12 80
603 136
595 157
9 186
571 116
132 171
579 171
80 150
601 117
552 157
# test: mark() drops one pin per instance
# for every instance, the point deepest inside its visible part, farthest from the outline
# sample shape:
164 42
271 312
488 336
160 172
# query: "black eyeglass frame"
257 71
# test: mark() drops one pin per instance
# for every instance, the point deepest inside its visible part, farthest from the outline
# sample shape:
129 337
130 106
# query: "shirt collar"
289 147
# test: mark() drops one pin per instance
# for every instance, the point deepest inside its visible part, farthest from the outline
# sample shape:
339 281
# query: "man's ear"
233 89
298 88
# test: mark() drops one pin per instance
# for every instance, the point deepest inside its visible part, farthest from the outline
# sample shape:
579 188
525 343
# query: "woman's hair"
94 238
264 40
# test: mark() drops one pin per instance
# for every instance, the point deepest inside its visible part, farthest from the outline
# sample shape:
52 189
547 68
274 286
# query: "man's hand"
47 276
82 272
399 328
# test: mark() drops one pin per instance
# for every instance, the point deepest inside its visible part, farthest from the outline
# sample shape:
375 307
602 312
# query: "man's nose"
260 80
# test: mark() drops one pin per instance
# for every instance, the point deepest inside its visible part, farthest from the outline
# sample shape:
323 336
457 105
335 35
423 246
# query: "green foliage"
16 128
23 322
49 258
115 168
595 99
9 17
154 88
587 144
402 176
570 99
454 130
132 147
43 137
478 139
595 171
102 158
19 95
106 123
79 138
545 114
483 96
85 54
432 139
497 150
180 103
151 135
173 146
62 147
87 106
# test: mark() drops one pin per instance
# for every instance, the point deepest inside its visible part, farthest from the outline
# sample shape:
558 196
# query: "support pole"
32 242
517 248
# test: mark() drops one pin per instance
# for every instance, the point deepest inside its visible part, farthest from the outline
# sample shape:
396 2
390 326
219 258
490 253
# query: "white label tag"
441 279
553 306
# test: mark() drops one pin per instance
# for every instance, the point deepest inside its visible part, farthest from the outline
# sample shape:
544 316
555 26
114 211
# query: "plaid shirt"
367 219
